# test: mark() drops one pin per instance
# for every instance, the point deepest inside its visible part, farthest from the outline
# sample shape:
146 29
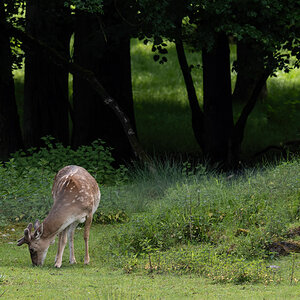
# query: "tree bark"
240 125
89 76
10 131
46 84
197 114
217 102
102 45
250 67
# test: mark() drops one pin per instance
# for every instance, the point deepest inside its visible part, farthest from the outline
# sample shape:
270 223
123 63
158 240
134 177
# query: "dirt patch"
293 232
286 247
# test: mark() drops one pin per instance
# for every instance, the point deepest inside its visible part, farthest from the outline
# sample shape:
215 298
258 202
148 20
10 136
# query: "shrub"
26 180
96 158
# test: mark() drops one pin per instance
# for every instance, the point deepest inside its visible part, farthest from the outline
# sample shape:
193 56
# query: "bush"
96 158
26 180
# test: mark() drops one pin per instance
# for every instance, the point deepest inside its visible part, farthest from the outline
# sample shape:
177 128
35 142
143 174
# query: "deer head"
38 247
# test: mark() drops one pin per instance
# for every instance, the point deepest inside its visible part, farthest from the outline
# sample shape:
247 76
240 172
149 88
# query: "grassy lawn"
103 280
185 233
189 235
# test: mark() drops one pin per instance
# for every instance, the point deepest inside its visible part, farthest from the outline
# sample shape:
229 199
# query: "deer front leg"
62 241
87 227
71 232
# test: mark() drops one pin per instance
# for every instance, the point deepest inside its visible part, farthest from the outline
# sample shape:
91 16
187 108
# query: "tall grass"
242 214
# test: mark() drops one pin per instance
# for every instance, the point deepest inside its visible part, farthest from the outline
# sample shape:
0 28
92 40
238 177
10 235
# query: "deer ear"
38 232
27 236
36 224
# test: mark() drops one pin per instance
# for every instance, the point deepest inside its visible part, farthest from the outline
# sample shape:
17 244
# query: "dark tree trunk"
240 125
102 44
250 67
46 84
197 114
10 132
218 116
89 77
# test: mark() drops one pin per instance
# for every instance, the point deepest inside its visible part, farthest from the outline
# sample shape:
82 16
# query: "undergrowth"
204 260
27 178
172 218
239 216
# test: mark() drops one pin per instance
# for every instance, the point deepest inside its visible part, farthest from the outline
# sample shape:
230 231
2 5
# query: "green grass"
190 234
163 115
161 108
185 220
101 280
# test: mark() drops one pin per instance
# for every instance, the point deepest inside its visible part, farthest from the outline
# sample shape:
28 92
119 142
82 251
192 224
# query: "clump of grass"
205 261
240 216
2 279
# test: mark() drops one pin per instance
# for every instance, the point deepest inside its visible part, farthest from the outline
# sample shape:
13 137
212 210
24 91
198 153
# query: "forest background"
223 51
103 83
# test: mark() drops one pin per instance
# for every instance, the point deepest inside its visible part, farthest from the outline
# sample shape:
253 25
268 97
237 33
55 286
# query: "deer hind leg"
87 227
62 241
71 232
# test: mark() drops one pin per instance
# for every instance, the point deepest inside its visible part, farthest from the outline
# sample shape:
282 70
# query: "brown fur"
76 197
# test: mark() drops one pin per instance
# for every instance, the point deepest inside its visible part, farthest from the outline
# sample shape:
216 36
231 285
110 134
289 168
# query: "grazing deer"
76 197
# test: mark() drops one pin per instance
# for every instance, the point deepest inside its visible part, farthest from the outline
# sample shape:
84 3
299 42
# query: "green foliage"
110 218
90 6
247 21
96 158
2 279
174 219
14 13
161 105
26 180
205 261
241 216
24 194
180 273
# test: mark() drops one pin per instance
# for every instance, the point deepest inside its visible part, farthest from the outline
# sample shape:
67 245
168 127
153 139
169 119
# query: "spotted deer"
76 197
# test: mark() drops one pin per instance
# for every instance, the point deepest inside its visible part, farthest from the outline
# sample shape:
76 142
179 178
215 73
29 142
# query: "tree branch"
197 114
239 128
89 76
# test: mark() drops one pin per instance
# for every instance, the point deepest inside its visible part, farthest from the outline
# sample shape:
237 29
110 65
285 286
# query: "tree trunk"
218 116
240 125
89 77
250 67
102 45
46 84
10 131
197 114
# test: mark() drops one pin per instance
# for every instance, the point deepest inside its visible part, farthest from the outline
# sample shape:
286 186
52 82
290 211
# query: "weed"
2 279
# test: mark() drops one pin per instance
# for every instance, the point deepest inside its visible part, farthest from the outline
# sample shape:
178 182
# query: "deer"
76 197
